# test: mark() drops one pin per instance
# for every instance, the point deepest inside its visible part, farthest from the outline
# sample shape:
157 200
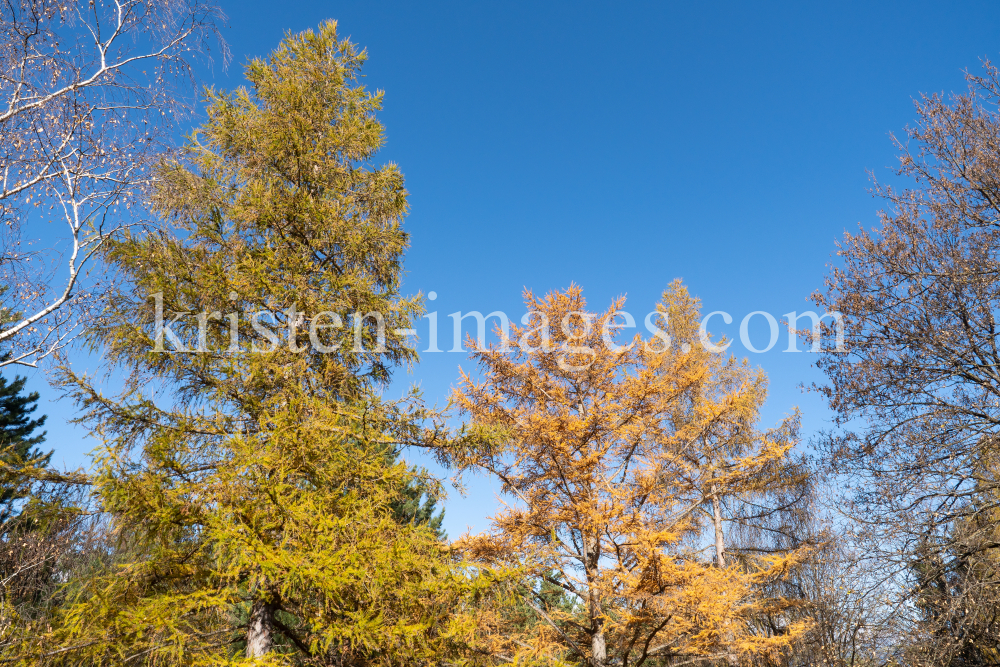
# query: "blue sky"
621 145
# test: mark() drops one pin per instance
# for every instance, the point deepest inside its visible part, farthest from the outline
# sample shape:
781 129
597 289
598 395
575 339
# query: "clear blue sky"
621 145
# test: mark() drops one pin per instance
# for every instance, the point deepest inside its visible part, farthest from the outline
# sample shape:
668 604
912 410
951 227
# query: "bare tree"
845 595
88 93
917 392
55 543
957 588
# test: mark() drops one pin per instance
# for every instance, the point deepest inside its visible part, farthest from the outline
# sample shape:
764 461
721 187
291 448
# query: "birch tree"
88 94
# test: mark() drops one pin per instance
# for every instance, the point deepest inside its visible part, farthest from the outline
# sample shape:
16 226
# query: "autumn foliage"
249 502
250 493
610 453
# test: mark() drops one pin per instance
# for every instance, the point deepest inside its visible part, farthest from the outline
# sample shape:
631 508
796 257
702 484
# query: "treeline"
250 504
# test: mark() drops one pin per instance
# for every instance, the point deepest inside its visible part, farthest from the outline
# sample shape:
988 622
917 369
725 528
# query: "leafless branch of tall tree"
89 91
917 392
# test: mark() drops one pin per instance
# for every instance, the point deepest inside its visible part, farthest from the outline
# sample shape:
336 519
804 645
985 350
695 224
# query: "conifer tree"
18 444
610 451
251 480
744 474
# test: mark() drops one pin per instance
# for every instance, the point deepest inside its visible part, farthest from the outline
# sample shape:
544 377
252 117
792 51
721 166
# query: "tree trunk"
720 558
598 643
598 649
260 633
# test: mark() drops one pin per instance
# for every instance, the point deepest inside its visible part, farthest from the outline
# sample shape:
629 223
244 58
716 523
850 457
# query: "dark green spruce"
19 438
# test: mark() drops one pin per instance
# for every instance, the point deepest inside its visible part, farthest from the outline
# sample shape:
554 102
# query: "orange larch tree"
610 453
738 471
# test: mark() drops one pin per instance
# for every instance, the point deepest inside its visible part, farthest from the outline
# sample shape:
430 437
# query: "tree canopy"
251 489
608 452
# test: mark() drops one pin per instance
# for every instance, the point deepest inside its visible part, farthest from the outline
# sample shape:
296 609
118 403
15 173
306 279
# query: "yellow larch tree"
734 467
610 451
254 503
